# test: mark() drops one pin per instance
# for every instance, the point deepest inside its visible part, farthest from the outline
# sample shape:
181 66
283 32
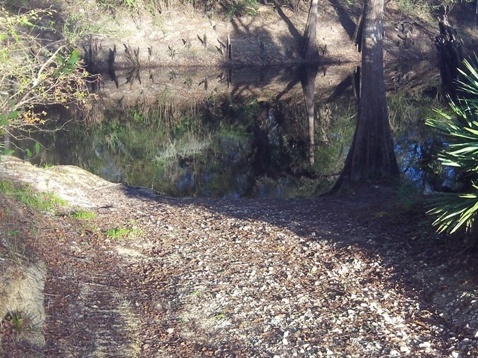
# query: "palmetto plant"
454 211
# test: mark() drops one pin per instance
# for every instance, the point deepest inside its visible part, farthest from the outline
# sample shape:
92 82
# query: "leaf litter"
320 277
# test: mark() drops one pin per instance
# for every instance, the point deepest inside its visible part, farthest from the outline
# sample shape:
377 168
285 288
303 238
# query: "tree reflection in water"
262 132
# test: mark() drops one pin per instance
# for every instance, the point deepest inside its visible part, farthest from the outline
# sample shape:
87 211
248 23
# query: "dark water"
234 133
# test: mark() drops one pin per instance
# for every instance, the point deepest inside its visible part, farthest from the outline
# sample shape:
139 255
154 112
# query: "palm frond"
453 211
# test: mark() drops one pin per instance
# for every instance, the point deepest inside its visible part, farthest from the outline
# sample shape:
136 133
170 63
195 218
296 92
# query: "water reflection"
261 132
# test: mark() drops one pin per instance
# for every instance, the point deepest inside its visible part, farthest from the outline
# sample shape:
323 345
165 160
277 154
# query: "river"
240 132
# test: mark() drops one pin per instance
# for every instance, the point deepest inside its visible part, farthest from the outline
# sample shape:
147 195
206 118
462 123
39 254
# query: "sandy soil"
187 38
359 274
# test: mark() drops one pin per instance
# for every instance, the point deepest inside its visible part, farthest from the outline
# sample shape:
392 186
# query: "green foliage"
118 233
406 108
131 4
83 214
29 154
210 149
35 74
426 8
31 198
453 211
230 8
17 320
22 322
237 8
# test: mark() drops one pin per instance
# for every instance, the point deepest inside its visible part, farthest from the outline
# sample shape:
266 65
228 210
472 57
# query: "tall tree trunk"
307 79
371 155
309 48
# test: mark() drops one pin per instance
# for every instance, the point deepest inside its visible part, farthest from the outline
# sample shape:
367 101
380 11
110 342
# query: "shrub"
36 71
237 8
457 211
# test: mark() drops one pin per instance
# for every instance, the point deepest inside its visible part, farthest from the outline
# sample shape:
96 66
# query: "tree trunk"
450 56
307 79
309 48
358 35
371 155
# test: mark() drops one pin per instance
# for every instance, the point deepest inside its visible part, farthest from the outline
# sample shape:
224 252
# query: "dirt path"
247 278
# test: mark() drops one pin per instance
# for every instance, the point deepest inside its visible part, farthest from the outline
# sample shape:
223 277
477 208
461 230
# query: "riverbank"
181 35
142 275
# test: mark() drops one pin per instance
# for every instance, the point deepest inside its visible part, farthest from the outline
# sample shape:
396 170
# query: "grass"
13 233
74 28
119 233
21 322
427 10
229 8
31 198
17 320
220 316
83 214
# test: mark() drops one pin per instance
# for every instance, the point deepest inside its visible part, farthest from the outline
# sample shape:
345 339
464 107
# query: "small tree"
455 211
35 71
